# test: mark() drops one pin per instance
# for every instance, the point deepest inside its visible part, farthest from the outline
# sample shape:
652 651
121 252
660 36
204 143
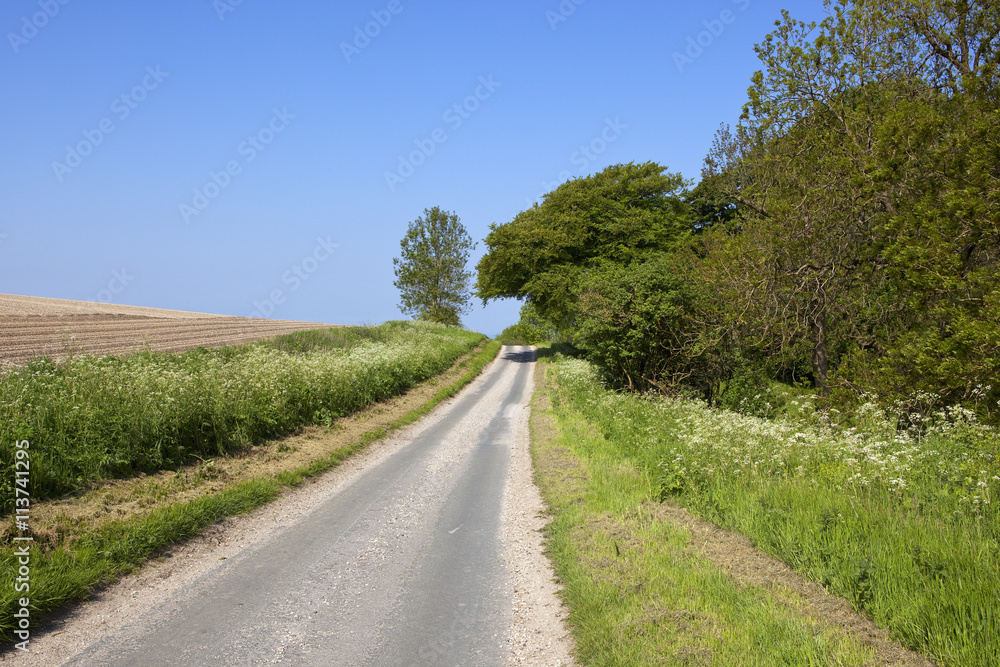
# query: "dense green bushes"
637 322
846 232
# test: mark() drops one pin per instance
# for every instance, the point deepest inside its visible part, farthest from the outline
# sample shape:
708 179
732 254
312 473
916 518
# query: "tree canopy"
867 236
430 272
625 213
846 231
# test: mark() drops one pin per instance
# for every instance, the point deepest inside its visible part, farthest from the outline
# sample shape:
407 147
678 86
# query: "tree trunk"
820 362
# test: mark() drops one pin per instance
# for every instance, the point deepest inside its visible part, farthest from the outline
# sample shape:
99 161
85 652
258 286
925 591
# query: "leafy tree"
942 155
868 202
605 261
430 271
804 268
623 214
710 207
530 329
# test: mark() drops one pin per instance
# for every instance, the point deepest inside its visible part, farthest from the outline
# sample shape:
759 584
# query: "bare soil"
38 326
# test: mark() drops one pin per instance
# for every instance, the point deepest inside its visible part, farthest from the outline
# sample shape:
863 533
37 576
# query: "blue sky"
255 156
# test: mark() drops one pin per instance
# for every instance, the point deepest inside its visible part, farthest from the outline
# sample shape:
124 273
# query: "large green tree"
606 260
942 156
626 213
430 271
802 271
867 197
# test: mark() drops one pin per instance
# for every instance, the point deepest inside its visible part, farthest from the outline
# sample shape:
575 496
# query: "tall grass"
903 527
91 418
85 557
638 591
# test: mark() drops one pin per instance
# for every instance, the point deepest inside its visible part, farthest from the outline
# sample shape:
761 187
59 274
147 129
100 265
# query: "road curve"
402 565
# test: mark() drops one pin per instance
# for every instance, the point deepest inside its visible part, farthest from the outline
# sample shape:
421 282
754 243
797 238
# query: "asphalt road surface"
402 565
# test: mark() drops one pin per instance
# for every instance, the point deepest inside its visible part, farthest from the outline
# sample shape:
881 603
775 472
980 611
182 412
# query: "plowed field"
31 326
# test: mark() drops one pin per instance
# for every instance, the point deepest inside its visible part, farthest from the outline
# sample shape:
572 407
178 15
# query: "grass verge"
637 592
91 418
68 567
902 528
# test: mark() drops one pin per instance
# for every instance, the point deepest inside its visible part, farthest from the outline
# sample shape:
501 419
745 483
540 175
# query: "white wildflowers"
932 462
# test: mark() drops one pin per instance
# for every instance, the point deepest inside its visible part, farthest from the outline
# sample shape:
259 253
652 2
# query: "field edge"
68 574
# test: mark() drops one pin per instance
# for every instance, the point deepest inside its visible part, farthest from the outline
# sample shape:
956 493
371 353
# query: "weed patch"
94 418
71 557
902 527
637 593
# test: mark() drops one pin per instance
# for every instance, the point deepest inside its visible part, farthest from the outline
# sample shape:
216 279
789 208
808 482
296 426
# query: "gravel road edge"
539 635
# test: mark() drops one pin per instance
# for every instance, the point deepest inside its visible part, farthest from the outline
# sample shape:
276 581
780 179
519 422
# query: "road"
402 564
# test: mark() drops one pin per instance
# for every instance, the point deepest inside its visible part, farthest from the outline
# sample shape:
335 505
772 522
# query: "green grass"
69 573
332 338
904 528
636 591
94 418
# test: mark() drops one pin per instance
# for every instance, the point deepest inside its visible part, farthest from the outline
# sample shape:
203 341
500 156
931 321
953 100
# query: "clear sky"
256 156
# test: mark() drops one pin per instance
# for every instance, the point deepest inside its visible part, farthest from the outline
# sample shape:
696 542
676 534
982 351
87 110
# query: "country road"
425 551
